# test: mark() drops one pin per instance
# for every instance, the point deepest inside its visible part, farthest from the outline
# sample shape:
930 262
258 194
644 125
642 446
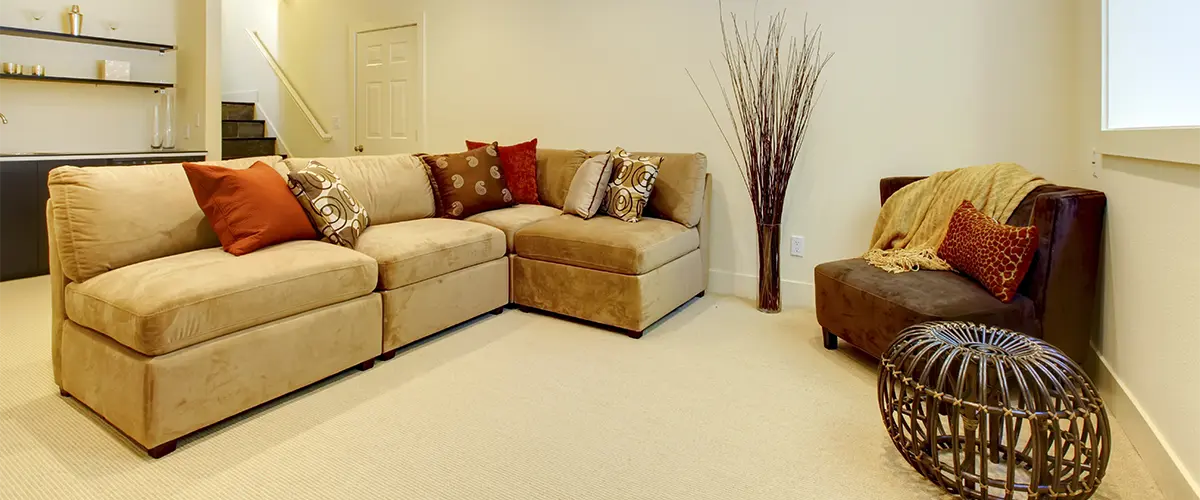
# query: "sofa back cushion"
110 217
392 188
555 169
678 190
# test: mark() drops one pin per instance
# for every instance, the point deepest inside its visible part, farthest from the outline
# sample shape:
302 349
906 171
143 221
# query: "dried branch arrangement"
770 95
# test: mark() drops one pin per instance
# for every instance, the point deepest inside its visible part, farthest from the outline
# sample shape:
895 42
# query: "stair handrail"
287 84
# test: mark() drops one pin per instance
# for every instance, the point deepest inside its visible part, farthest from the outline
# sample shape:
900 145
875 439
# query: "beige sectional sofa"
162 333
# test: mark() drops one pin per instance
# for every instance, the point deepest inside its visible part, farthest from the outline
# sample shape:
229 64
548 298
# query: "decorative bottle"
168 98
75 21
156 140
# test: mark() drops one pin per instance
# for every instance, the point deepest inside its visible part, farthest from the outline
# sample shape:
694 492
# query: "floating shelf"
89 81
93 40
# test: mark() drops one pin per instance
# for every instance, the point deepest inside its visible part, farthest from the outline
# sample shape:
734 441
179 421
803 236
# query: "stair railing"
287 84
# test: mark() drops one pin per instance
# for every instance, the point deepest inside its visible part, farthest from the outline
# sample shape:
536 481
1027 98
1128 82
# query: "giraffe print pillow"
995 254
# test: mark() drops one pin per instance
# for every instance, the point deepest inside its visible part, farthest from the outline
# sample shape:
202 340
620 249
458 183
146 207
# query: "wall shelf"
89 81
93 40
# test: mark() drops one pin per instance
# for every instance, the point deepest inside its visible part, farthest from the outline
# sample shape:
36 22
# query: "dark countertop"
117 153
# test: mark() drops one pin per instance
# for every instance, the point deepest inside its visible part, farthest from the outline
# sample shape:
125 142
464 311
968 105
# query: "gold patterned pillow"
632 182
336 214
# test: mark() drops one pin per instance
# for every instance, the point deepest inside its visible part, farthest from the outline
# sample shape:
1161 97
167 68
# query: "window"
1152 66
1151 79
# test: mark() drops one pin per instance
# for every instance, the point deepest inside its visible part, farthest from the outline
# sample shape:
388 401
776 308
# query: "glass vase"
156 140
168 135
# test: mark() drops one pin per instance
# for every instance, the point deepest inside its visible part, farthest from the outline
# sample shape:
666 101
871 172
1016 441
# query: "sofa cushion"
97 229
607 244
412 251
513 219
392 188
165 304
868 306
555 170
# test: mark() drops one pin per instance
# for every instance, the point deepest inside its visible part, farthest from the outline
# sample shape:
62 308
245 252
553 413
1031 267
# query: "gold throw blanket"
913 221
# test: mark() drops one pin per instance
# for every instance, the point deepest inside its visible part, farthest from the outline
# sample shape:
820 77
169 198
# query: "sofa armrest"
889 185
1063 279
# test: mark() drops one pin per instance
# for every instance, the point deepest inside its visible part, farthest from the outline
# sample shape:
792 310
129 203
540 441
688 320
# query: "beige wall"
914 88
69 117
1150 340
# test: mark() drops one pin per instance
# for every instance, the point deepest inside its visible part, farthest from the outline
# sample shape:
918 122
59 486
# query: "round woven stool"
990 413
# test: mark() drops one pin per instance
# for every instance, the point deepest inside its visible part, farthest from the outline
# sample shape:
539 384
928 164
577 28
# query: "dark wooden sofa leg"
161 450
633 334
701 294
63 392
388 355
497 310
831 340
366 365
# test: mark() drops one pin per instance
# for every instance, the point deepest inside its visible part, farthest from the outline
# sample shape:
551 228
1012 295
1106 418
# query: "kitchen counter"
40 156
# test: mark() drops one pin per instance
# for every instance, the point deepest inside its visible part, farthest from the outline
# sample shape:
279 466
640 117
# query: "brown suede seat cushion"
868 306
607 244
163 305
417 250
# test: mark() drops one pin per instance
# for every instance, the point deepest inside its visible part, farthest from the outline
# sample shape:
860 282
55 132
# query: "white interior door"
387 75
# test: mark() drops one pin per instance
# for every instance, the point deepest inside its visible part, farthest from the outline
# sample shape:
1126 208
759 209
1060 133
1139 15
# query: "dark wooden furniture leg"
633 334
388 355
497 310
701 294
366 365
63 392
830 340
161 450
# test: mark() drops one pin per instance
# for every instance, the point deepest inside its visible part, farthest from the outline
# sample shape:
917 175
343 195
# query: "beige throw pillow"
632 183
589 187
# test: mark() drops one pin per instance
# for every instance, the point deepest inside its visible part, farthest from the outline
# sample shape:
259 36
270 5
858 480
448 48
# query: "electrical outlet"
797 246
187 131
1095 164
336 122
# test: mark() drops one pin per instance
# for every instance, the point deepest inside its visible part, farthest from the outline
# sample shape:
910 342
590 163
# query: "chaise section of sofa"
162 333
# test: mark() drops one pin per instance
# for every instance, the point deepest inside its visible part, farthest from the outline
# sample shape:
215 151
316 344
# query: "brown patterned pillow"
336 214
632 182
469 183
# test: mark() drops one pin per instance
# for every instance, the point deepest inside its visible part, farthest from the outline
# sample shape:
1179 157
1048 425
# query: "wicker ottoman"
986 412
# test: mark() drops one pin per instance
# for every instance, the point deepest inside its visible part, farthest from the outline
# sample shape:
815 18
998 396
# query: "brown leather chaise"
1056 302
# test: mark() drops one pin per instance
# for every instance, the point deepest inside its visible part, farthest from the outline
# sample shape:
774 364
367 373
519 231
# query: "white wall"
1150 338
913 88
81 118
245 74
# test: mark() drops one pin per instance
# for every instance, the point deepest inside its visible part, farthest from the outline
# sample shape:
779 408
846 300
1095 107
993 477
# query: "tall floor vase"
768 268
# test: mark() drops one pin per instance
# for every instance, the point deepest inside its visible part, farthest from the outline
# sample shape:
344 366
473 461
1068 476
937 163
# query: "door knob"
358 148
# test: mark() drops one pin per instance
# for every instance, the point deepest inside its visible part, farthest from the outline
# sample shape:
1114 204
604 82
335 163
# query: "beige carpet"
718 402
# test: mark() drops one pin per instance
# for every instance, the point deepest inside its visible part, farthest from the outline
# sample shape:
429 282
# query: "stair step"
237 111
243 147
237 129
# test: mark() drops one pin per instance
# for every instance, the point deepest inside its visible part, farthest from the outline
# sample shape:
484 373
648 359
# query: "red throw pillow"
519 163
995 254
248 209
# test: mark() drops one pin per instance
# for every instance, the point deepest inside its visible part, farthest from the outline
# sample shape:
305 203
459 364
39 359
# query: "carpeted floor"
717 402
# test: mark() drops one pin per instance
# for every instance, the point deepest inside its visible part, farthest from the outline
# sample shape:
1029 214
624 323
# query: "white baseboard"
792 293
1160 459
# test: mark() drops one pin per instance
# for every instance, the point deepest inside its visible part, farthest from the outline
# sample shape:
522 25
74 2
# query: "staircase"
243 136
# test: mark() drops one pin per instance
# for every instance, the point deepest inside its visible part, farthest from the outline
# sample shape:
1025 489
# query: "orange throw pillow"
995 254
248 209
519 163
